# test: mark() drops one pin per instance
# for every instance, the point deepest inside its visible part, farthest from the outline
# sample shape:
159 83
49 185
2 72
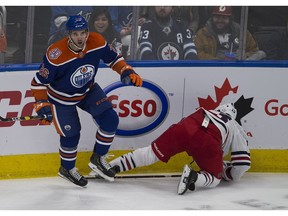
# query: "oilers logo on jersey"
82 75
169 51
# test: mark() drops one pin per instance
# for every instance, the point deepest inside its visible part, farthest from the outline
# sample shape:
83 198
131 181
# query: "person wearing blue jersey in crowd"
165 38
65 81
121 17
59 17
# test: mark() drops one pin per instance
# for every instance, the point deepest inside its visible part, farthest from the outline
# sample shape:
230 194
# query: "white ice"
255 191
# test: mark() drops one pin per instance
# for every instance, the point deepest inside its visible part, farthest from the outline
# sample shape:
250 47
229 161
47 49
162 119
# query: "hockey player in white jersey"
206 135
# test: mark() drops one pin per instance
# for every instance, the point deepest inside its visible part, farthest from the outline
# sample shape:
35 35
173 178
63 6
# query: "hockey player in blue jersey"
65 81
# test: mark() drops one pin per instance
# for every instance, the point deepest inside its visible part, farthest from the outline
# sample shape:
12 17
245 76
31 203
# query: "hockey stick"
22 118
155 175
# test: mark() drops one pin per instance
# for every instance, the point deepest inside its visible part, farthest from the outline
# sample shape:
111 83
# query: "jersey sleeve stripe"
118 58
146 49
37 85
240 158
142 45
241 163
240 153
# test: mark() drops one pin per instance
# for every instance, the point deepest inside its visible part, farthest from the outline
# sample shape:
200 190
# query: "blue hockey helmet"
76 23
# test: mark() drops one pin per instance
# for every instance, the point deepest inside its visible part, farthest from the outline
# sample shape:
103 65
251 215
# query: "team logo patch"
169 51
67 127
44 72
82 75
54 53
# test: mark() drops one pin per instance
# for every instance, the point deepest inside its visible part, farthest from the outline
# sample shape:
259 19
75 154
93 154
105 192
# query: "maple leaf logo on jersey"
242 105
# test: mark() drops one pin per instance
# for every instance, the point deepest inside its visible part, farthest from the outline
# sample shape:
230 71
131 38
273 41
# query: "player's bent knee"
108 120
70 141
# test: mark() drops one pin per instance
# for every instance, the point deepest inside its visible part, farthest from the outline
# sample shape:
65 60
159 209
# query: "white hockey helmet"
228 109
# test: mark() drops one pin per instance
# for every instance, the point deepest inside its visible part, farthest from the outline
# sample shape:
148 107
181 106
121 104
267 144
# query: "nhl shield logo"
54 53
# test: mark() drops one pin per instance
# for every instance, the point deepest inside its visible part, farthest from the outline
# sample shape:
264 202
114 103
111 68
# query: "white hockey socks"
206 180
138 158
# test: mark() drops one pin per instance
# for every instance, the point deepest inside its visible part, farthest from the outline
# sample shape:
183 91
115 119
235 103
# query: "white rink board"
182 86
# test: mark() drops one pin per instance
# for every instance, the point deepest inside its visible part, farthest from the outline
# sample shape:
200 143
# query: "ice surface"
255 191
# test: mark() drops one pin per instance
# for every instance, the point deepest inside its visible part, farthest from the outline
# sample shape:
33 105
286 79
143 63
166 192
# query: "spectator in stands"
122 20
219 38
3 40
164 38
59 17
187 14
101 23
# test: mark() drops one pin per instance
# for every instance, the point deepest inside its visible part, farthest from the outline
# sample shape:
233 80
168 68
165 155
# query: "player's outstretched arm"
128 76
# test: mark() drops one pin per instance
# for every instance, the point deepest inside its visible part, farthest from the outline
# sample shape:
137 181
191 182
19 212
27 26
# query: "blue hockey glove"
43 108
129 76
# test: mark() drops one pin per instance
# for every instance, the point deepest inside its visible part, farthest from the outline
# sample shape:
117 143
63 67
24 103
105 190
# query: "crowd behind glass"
27 31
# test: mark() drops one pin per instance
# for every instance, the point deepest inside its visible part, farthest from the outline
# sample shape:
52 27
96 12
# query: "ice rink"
255 191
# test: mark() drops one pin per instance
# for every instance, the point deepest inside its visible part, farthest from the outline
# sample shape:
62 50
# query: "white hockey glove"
226 175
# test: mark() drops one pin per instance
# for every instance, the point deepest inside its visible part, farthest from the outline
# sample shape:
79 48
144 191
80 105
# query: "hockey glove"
129 76
43 108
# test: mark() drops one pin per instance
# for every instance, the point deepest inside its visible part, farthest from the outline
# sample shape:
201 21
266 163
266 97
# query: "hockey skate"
116 168
73 176
93 174
99 165
187 180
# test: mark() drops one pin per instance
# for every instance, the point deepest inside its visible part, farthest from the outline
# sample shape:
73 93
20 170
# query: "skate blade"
93 175
62 176
97 171
182 186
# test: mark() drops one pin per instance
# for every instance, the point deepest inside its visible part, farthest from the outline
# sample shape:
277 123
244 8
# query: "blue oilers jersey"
68 76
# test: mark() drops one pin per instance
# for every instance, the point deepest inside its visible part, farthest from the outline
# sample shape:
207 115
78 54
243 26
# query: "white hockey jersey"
234 141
